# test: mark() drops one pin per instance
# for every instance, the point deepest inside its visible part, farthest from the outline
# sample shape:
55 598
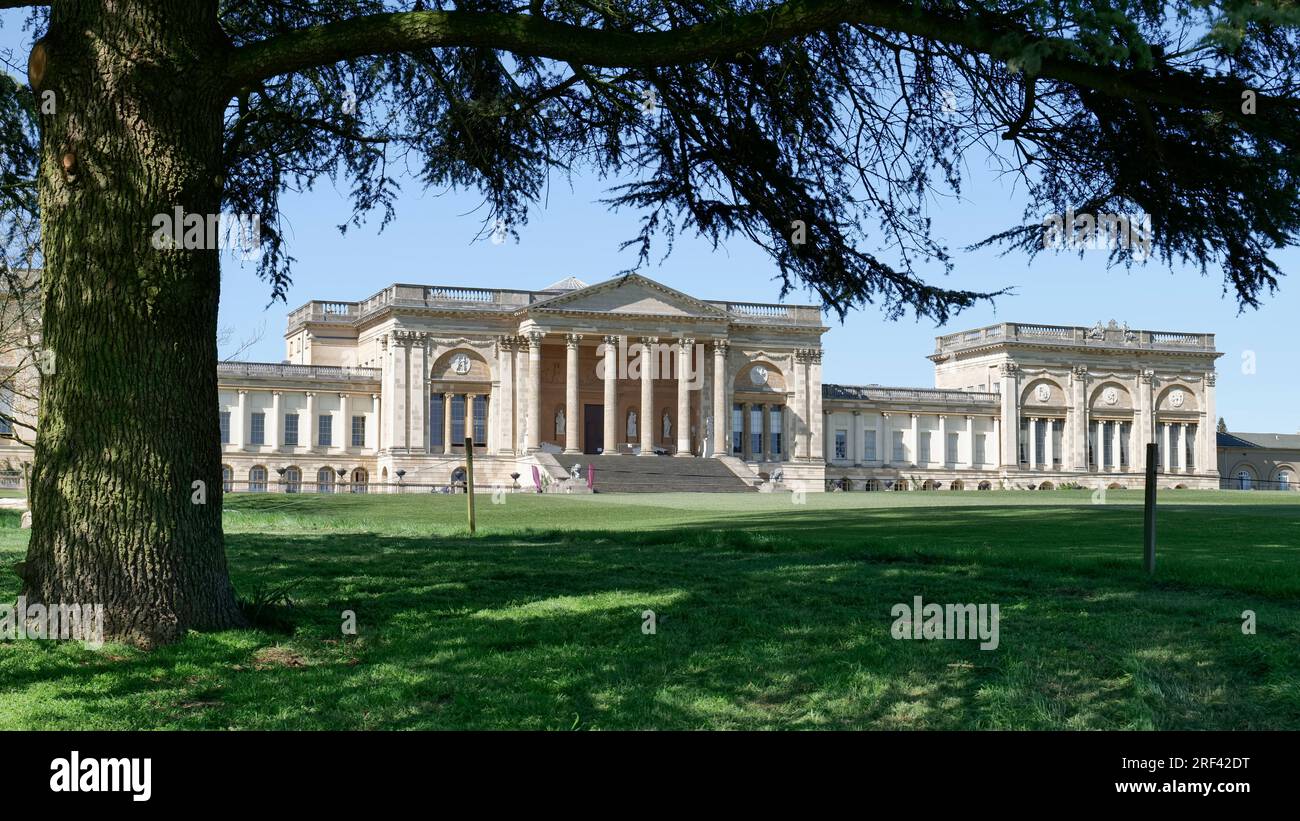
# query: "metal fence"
314 488
1239 483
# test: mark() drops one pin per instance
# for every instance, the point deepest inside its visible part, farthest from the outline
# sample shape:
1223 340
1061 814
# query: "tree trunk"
128 415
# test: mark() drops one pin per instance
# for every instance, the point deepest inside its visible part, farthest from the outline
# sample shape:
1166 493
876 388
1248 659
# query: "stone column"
1115 446
1146 409
943 440
1207 434
816 419
747 432
374 436
238 434
1180 447
1078 422
609 363
310 439
1101 446
446 423
522 380
273 424
721 408
1031 446
997 439
1165 447
648 421
916 440
1010 444
571 443
828 442
345 411
1049 447
398 406
885 435
504 406
685 347
858 445
419 401
534 428
970 441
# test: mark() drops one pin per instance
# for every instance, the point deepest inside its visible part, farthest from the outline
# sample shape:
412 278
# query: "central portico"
624 367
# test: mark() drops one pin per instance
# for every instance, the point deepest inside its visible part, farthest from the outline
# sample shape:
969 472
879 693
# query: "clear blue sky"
432 241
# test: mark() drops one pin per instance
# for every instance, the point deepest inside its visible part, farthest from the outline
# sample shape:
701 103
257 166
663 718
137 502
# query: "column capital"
534 338
374 396
815 356
1210 378
686 343
308 394
857 413
721 346
649 340
1147 376
505 343
1080 370
243 391
1009 368
611 339
572 340
276 393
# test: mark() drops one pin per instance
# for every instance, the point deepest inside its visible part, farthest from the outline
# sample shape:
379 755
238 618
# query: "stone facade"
385 392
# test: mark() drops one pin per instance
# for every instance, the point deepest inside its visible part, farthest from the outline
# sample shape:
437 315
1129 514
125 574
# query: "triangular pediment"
632 295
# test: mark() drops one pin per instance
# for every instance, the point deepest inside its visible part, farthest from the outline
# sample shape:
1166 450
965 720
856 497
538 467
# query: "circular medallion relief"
460 363
1043 393
1177 398
758 375
1110 396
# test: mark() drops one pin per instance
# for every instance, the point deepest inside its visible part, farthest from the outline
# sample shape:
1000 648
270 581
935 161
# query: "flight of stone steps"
659 474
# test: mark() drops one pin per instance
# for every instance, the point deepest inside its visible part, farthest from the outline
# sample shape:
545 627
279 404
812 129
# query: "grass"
769 615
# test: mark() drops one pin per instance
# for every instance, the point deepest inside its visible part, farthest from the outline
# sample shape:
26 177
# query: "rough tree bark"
128 422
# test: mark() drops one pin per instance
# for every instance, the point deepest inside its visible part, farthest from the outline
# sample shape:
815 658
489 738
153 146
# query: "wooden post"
469 479
1149 520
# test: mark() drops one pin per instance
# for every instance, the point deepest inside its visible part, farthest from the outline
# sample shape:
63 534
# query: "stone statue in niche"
668 425
631 425
559 422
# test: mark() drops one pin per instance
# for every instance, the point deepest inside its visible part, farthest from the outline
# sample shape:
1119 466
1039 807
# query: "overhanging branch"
723 39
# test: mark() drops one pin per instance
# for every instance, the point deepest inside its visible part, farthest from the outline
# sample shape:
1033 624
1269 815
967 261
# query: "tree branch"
725 39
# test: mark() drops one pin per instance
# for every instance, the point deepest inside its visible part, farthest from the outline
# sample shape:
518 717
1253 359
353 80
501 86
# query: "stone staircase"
660 474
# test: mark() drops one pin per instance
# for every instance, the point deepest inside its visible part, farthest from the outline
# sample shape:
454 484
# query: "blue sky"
433 241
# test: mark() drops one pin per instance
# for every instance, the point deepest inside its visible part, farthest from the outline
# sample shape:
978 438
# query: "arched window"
871 485
985 485
360 479
292 480
1243 480
257 479
227 479
325 480
458 477
1284 480
957 484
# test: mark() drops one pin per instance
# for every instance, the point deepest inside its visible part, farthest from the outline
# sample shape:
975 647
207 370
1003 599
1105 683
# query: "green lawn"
769 615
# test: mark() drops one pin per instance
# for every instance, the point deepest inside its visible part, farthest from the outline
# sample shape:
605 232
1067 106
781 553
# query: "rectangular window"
325 430
869 446
1023 438
291 429
7 409
841 444
1040 440
1108 443
924 447
480 421
900 448
358 431
756 432
225 427
257 435
1189 458
458 419
775 427
950 450
436 423
1125 436
980 448
1058 441
737 428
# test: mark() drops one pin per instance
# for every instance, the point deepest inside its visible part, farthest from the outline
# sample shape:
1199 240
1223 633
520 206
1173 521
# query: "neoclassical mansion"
388 393
388 390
